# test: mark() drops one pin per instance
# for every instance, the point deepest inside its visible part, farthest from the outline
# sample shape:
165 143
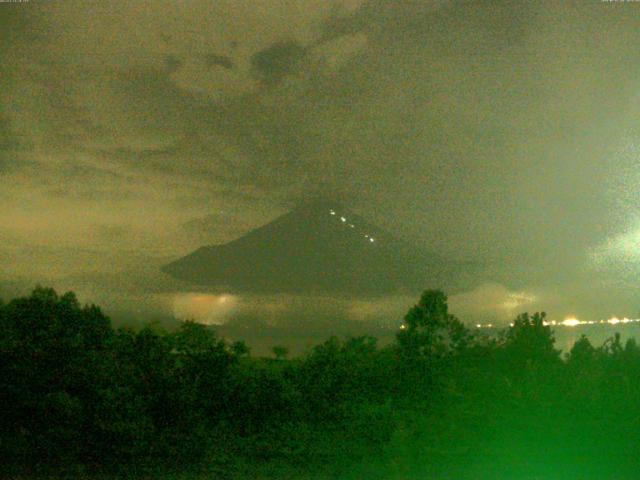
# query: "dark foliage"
82 399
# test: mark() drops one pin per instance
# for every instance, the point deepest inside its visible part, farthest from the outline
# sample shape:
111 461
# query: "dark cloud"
173 63
214 59
499 132
8 141
277 61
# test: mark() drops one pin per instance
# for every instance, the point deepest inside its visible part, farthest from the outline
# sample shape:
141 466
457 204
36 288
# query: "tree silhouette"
582 353
50 367
530 342
150 401
280 352
240 348
429 329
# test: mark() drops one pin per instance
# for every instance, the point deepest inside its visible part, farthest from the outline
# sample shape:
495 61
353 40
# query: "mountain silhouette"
320 247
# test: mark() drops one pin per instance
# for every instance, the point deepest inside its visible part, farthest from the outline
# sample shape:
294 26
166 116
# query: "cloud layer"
497 132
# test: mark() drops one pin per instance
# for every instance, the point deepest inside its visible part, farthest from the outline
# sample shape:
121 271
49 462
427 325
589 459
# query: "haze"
503 134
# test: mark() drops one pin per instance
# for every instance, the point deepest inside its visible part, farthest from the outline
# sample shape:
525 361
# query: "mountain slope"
318 248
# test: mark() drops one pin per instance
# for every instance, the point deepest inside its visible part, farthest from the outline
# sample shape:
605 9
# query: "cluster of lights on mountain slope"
351 225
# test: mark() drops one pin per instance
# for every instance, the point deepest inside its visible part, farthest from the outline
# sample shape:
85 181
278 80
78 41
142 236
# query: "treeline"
79 398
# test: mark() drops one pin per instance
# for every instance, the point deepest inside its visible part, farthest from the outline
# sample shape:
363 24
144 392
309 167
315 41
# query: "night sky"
504 134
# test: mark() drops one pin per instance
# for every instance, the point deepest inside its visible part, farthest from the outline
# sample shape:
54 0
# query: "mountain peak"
319 247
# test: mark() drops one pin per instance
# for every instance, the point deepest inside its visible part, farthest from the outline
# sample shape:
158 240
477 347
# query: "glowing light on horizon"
571 322
209 309
484 325
574 322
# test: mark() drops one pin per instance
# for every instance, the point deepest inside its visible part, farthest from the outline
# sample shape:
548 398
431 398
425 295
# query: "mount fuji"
319 248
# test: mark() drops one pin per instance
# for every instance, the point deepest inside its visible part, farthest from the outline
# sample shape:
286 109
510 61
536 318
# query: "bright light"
571 322
203 307
616 320
343 219
484 325
332 212
574 322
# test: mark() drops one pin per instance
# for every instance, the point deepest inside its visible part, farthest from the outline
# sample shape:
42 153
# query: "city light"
574 322
570 322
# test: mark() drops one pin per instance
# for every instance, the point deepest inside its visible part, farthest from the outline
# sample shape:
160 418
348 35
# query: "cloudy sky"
503 133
